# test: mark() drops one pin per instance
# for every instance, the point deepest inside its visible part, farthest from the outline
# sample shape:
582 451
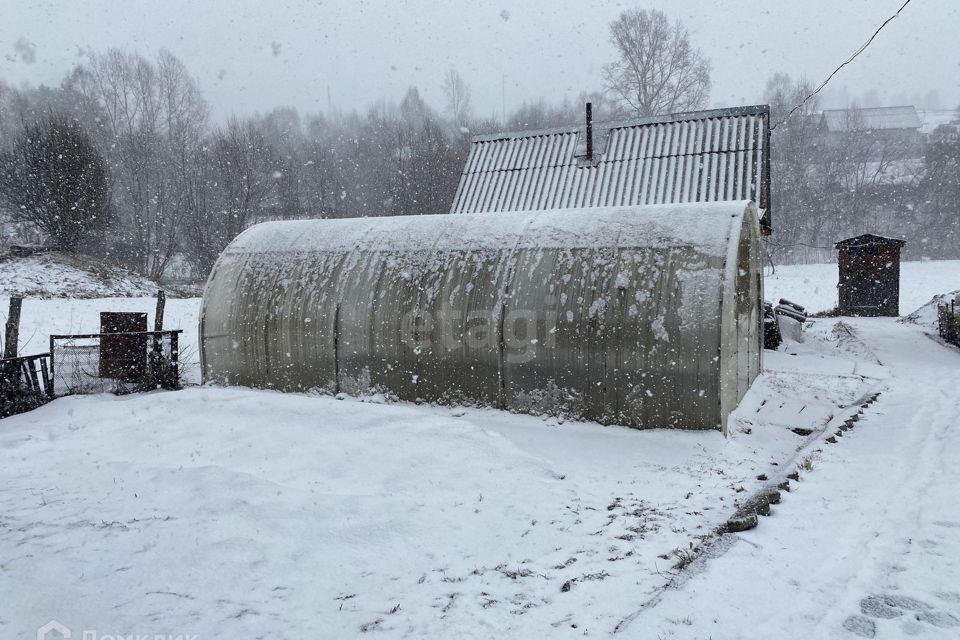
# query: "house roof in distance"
871 118
701 156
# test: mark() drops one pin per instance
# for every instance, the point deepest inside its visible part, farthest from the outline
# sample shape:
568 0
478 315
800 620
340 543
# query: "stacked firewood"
771 328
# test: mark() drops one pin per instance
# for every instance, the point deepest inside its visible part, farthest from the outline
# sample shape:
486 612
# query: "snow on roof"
933 118
704 226
868 239
871 118
705 156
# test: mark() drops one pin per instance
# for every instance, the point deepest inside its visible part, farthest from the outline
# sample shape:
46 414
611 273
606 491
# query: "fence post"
12 333
53 379
158 321
158 317
175 357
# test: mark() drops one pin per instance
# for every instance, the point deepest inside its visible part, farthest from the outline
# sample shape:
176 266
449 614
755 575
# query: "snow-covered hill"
61 275
927 315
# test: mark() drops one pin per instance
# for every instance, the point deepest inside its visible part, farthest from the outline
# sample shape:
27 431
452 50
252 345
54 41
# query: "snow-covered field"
234 513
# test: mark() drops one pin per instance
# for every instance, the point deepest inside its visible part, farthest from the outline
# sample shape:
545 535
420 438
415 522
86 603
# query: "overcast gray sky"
253 55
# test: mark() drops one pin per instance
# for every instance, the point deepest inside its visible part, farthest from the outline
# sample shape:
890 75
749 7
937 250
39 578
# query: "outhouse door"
868 295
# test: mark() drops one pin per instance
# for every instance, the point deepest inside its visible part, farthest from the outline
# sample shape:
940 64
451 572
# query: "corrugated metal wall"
709 156
617 315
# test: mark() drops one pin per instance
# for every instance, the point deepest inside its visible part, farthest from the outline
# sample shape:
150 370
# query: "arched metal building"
644 316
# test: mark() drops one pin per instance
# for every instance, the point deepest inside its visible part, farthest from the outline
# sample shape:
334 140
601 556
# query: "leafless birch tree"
457 93
658 69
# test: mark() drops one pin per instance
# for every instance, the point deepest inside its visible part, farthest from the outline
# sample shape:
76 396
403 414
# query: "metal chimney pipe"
590 132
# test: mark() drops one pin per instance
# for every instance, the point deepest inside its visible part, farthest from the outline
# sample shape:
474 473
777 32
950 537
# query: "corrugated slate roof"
871 118
703 156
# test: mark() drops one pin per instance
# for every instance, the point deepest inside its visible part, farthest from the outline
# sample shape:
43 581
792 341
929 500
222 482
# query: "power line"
842 65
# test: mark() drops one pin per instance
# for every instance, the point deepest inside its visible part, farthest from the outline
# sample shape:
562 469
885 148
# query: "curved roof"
705 226
622 315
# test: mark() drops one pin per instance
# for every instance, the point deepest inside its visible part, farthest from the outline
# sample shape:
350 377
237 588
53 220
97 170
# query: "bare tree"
540 115
282 132
55 178
240 179
6 116
154 120
658 70
941 191
457 93
795 160
870 175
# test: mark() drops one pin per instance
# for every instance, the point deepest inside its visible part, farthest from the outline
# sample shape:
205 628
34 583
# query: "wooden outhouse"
869 276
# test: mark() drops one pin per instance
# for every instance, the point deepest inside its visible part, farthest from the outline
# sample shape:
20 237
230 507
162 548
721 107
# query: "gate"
121 362
24 383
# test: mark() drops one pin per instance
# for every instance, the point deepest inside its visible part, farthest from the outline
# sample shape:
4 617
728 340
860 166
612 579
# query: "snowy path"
868 542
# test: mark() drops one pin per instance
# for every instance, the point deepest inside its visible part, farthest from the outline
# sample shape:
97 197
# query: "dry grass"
685 557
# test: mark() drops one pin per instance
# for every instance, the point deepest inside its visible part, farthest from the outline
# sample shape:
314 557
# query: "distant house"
932 119
888 128
904 119
702 156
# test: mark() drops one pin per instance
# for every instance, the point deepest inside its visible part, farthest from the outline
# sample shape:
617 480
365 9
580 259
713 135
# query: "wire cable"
842 65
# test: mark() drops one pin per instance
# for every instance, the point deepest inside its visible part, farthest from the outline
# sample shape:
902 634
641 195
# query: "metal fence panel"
76 367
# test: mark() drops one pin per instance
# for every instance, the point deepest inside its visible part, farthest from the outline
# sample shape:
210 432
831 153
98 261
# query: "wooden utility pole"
158 317
12 333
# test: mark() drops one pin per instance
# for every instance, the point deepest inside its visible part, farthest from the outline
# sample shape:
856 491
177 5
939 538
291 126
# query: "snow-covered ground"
815 285
55 275
237 513
868 544
234 513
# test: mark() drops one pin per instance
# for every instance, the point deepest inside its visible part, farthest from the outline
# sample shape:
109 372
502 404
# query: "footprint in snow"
889 606
861 626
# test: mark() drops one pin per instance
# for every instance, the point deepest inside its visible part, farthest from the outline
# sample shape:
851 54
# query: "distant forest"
122 160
